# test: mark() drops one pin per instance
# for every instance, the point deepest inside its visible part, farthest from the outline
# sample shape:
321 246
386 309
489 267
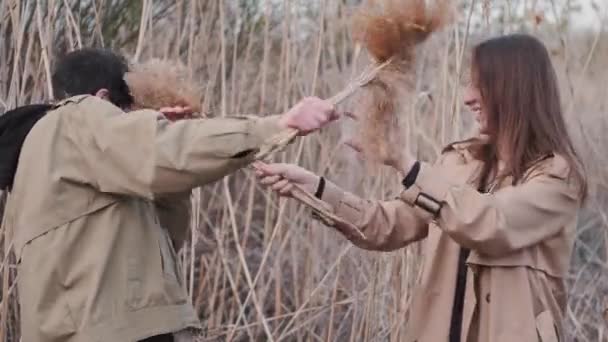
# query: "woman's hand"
402 161
282 177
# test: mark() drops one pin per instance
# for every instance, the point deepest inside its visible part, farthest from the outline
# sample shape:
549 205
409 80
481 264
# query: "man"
92 190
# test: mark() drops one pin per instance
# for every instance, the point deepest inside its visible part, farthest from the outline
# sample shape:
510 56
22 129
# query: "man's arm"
143 154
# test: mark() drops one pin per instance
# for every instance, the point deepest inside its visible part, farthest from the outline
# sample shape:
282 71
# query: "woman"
497 212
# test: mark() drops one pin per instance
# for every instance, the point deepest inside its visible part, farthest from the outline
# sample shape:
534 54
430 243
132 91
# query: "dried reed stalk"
156 84
390 30
283 139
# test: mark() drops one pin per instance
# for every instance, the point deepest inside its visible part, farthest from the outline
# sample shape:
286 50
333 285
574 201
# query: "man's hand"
309 115
282 177
177 113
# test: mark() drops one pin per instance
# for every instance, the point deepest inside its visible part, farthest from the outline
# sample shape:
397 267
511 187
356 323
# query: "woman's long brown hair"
520 94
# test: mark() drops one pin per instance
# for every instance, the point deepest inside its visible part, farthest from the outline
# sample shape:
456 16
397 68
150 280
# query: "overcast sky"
588 16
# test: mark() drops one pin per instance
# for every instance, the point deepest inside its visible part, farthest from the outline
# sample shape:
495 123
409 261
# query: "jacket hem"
141 324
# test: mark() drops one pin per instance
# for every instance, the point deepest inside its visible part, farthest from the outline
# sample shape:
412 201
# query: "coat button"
488 297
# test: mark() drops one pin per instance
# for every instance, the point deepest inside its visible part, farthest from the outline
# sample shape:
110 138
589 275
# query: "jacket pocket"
171 271
545 327
169 257
134 284
40 318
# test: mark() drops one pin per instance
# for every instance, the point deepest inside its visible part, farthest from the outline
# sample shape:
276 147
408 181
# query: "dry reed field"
258 268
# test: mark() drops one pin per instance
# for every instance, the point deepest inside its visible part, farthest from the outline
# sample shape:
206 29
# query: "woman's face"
473 101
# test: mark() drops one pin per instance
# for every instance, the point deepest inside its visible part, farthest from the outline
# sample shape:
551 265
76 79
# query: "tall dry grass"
258 268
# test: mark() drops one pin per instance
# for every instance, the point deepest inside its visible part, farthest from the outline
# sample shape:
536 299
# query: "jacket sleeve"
143 154
174 213
510 219
387 225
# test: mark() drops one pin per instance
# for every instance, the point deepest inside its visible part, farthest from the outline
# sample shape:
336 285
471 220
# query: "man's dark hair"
88 70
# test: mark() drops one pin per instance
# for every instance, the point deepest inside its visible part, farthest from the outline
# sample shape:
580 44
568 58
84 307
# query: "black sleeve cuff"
320 188
411 176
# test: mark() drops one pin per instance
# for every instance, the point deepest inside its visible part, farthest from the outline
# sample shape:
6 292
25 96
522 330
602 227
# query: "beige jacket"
520 237
98 206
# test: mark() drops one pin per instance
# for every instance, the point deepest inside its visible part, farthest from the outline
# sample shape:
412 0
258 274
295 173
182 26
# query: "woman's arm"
387 225
510 219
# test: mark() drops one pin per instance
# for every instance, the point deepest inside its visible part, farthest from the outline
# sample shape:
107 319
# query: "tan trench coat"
520 237
93 190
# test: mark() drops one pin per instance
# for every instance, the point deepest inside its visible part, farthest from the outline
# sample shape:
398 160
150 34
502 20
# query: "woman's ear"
103 93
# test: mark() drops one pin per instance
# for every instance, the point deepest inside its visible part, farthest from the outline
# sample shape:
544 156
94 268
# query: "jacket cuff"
264 129
344 205
429 191
332 195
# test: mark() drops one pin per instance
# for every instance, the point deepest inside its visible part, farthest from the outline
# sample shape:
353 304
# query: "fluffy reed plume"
390 31
155 84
